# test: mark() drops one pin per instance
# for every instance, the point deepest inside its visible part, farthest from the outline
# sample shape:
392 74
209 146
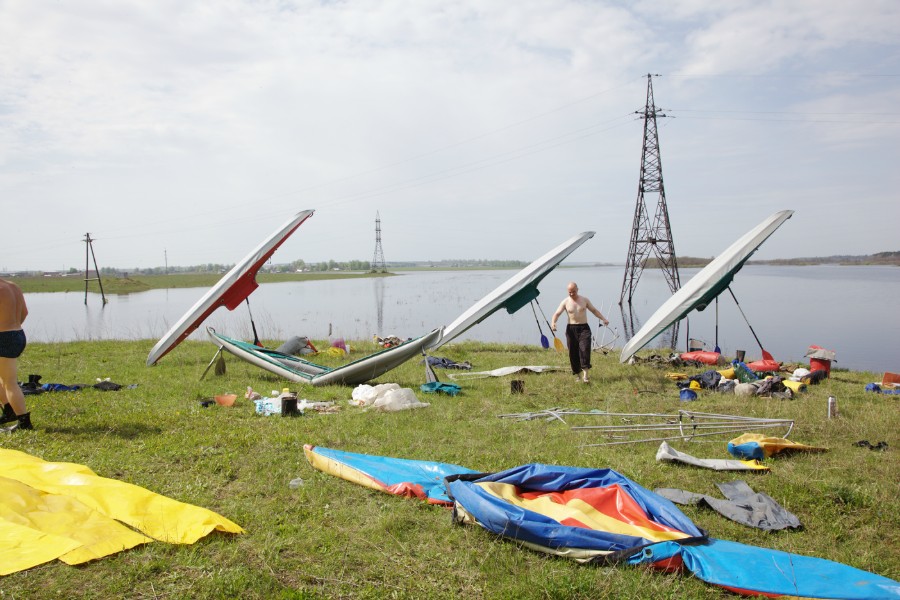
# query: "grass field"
141 283
333 539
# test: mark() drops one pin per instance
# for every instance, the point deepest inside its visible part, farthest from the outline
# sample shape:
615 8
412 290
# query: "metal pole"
745 319
661 439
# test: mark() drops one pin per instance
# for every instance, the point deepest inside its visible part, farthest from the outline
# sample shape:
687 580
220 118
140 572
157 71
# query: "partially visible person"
578 332
12 343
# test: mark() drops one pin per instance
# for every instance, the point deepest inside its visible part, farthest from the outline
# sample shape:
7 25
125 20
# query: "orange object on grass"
226 399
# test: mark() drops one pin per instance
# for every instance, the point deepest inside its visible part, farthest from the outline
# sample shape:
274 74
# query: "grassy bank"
332 539
141 283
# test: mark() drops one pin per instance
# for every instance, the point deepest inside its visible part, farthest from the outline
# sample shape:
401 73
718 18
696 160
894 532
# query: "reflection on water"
378 283
851 310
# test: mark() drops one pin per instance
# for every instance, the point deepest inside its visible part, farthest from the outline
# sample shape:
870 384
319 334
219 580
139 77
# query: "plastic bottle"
832 407
295 483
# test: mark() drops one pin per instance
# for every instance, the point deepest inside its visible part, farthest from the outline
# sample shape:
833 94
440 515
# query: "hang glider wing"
234 287
299 370
515 292
708 283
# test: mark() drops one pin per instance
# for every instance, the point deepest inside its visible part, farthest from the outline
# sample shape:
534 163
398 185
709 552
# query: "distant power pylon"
378 265
647 237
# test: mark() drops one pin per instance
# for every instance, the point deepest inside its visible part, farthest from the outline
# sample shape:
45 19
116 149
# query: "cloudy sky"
185 132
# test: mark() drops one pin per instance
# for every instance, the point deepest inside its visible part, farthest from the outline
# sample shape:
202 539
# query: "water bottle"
832 407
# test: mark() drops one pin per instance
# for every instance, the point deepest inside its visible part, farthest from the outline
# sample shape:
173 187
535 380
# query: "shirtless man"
578 332
12 342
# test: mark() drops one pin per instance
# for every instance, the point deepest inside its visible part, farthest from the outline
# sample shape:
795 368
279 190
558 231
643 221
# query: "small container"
288 403
832 407
289 406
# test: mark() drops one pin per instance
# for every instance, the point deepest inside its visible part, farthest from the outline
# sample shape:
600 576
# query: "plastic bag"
398 399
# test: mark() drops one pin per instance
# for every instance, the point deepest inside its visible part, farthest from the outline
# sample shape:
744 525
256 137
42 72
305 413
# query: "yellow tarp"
774 445
794 386
64 510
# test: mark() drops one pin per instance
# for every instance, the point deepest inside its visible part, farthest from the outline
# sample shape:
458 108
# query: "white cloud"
477 129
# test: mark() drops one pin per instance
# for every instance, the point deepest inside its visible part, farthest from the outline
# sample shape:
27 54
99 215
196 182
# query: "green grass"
333 539
141 283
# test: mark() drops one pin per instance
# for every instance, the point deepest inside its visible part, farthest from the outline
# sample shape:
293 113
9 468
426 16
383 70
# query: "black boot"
24 423
9 415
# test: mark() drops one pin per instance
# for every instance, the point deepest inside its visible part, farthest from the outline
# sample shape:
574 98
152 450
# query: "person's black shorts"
12 343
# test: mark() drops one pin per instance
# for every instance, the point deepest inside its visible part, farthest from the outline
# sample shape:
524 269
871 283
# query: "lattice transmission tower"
647 237
378 265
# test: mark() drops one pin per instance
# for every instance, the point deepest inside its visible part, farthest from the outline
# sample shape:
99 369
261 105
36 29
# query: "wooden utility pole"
88 254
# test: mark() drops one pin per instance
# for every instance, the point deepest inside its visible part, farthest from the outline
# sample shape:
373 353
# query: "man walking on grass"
578 332
12 342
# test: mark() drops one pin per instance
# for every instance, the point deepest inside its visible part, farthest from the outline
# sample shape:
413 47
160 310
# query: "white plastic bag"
398 399
366 395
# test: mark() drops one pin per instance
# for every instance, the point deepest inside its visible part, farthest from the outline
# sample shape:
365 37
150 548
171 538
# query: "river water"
851 310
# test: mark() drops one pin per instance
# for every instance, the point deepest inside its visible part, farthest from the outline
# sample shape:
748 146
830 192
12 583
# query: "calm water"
852 310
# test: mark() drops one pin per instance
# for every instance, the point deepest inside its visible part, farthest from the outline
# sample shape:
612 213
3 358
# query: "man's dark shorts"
12 343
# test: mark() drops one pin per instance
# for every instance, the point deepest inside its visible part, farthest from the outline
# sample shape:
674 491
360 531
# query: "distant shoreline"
879 259
112 284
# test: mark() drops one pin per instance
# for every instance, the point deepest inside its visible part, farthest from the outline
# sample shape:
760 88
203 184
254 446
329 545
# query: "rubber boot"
9 415
24 422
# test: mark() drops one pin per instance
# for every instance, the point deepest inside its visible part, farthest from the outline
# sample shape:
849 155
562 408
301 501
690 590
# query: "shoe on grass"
23 423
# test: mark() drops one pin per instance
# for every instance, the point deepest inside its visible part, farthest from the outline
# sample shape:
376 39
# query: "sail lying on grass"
598 516
63 510
399 476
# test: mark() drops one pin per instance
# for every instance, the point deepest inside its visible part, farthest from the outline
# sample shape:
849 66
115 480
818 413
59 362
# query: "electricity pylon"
647 237
378 265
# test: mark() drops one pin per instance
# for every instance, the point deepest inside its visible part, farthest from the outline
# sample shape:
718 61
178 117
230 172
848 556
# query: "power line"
783 112
848 121
189 218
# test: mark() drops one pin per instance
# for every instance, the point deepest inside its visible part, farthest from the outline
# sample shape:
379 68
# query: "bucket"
820 359
820 364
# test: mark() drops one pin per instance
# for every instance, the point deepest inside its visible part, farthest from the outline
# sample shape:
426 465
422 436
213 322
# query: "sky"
181 133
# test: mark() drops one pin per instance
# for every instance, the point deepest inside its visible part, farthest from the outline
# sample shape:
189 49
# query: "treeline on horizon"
880 258
301 266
